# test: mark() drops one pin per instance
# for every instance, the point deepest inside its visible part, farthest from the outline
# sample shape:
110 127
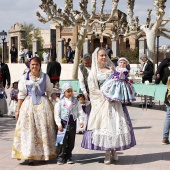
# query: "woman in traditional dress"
109 124
35 132
3 102
14 99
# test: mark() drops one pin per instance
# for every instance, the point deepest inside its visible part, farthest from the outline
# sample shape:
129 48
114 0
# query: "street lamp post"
3 35
157 49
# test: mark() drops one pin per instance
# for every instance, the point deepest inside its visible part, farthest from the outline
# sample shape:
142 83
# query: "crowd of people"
25 54
49 116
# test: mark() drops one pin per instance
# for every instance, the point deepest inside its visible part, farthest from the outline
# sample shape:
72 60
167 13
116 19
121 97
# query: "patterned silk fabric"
36 128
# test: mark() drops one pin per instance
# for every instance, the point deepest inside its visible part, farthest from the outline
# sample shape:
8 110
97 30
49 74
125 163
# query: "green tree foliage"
32 33
28 36
131 54
37 35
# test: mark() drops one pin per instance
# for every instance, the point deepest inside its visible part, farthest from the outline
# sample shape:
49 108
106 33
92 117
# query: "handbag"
61 135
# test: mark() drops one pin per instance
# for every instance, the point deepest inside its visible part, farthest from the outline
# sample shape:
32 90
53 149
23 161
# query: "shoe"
165 142
149 105
140 105
70 161
114 156
81 132
31 163
128 104
1 115
107 159
60 162
144 105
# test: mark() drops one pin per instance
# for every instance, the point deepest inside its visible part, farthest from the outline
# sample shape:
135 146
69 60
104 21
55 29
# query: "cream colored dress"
35 132
109 125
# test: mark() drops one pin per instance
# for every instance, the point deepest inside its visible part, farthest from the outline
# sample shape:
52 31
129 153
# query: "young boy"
66 112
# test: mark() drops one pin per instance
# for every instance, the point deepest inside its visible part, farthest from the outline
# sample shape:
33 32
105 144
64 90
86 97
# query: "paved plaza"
148 154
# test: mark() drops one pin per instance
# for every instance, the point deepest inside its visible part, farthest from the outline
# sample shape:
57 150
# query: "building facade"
70 35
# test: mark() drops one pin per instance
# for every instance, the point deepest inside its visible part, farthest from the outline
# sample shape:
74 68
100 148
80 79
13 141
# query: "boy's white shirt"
57 111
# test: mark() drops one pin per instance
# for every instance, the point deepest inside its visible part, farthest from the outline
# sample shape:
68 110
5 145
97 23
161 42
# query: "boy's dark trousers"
65 150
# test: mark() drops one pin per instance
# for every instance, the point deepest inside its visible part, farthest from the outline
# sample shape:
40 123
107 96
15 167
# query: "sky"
12 11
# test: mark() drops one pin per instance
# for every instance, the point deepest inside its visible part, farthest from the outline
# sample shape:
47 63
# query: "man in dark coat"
69 55
29 54
147 69
160 70
4 73
52 51
147 74
108 50
14 54
54 70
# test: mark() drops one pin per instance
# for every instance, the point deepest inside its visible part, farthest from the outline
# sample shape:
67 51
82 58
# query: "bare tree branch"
130 8
164 35
159 13
164 22
81 18
102 7
164 29
93 8
148 19
114 8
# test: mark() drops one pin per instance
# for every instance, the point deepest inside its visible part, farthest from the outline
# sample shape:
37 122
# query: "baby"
117 86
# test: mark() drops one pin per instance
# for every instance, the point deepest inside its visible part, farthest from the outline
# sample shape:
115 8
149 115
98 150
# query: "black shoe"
128 104
149 105
31 163
140 105
60 161
70 161
144 105
81 132
1 115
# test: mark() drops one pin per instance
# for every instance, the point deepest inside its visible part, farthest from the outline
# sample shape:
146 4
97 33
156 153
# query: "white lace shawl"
23 89
100 106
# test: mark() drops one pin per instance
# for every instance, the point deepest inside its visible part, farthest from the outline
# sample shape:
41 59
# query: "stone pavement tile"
165 167
148 154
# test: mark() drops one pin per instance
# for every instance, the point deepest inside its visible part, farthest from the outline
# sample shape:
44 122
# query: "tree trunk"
78 51
150 39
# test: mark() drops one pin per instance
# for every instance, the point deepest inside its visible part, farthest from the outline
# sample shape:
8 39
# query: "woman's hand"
86 96
57 99
60 128
16 115
141 72
158 76
112 68
81 125
121 73
54 97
